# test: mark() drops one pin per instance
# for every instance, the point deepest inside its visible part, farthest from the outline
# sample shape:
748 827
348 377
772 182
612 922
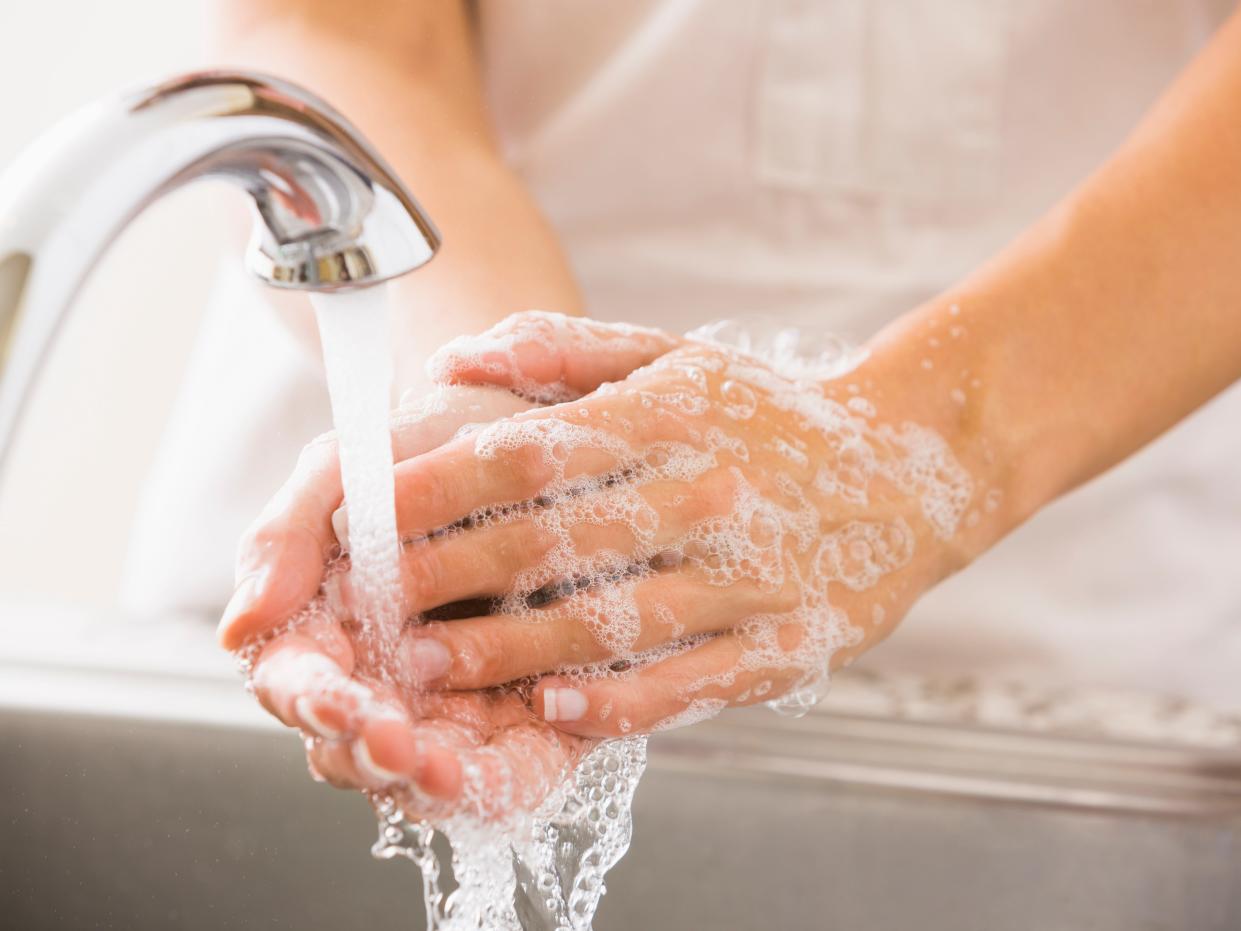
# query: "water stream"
353 327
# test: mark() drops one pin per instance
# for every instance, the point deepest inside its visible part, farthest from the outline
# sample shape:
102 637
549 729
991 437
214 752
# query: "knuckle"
319 452
576 641
424 574
528 464
248 549
524 321
428 490
783 600
492 668
663 619
480 660
442 489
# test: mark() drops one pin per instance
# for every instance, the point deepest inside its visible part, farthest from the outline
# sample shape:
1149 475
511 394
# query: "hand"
437 754
703 533
282 558
479 749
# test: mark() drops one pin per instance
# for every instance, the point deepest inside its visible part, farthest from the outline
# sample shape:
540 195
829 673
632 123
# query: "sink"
141 789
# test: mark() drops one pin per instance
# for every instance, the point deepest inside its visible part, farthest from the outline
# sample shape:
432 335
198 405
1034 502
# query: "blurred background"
100 406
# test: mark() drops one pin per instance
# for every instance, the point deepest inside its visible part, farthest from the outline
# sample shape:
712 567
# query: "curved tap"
329 214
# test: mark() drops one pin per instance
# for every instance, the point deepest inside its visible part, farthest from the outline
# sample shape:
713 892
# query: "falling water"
353 326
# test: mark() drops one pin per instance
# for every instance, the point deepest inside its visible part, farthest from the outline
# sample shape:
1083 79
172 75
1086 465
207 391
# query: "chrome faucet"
329 214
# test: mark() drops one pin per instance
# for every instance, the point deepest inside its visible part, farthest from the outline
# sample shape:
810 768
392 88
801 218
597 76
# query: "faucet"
329 214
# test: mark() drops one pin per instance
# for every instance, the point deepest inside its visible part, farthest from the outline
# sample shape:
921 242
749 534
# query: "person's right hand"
283 556
481 749
436 753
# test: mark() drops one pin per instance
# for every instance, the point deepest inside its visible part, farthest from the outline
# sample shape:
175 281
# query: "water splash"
541 871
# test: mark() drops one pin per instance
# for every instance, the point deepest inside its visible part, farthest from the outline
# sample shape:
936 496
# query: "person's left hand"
704 533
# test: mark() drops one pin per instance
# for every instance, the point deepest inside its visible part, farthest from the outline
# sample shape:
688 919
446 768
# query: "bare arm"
406 73
1114 317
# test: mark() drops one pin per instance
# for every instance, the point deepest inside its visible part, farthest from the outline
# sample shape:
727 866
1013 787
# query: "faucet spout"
329 214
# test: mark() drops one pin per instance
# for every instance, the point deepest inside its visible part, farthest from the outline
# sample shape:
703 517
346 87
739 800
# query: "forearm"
1114 317
405 75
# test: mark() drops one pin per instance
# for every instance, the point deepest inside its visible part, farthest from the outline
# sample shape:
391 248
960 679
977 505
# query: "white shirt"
833 162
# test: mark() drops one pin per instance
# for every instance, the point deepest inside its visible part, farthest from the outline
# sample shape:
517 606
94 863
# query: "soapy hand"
308 673
686 530
435 754
706 532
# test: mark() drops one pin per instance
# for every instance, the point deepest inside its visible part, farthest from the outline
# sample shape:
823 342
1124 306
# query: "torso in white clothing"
825 162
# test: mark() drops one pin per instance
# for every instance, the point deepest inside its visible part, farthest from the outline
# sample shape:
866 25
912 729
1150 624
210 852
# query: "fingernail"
248 591
428 659
340 526
563 705
304 708
366 764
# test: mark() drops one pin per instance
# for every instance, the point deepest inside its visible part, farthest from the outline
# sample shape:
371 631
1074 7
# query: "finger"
547 453
393 746
469 564
680 690
429 419
433 754
282 556
333 762
488 555
392 750
603 622
549 357
450 483
515 769
296 665
478 752
386 751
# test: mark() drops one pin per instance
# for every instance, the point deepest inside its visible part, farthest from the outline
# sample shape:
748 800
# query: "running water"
353 326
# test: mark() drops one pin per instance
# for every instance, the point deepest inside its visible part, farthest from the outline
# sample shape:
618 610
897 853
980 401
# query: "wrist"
931 368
